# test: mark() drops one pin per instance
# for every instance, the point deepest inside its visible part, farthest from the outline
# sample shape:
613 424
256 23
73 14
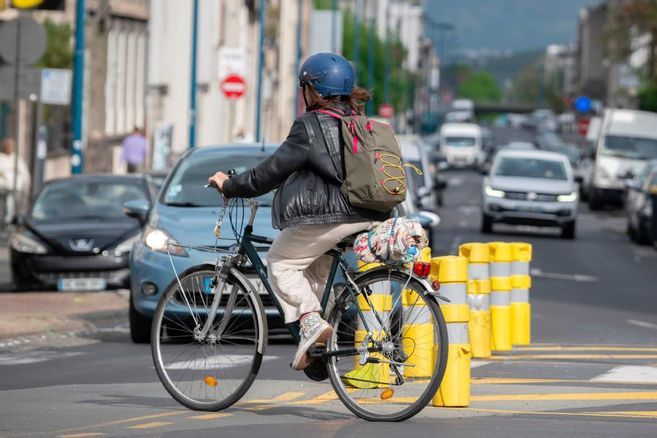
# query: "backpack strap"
308 123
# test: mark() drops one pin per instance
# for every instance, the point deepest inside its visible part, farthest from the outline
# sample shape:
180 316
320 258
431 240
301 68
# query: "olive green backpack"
374 171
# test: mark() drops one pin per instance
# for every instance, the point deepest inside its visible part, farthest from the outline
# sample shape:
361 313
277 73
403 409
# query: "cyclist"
309 208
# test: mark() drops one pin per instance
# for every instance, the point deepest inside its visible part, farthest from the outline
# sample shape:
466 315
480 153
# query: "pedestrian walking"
12 198
134 151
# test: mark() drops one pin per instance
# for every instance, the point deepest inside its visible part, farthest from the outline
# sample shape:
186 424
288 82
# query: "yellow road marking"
570 396
585 348
212 416
126 420
322 398
81 435
574 356
566 414
510 380
287 396
151 425
650 414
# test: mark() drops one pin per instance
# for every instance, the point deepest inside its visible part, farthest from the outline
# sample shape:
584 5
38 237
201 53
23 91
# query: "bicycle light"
422 269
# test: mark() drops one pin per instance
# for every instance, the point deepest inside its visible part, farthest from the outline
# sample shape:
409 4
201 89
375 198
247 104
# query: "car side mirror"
137 209
579 179
18 220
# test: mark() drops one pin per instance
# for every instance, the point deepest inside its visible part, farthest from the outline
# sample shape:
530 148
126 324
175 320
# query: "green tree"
480 86
58 52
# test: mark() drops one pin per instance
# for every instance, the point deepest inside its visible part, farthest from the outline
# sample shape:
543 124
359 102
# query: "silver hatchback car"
528 187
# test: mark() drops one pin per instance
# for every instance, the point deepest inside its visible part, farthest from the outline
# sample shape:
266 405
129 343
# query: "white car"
528 187
461 144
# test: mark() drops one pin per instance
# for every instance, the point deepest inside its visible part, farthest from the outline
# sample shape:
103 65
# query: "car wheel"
631 231
19 282
140 326
486 224
641 235
568 230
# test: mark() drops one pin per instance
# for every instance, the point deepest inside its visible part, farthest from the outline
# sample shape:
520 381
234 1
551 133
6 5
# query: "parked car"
427 184
461 144
625 141
638 204
530 188
184 213
428 219
75 236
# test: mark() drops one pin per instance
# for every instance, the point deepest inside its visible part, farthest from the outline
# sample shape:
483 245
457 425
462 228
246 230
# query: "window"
531 168
630 147
459 141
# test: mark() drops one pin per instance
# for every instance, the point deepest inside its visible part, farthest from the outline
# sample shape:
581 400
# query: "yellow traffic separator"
452 273
500 301
418 331
380 302
479 326
520 284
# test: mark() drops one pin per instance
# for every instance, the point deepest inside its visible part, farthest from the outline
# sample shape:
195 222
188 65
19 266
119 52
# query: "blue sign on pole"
583 104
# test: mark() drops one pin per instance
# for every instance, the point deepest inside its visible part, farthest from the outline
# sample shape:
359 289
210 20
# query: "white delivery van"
626 140
460 143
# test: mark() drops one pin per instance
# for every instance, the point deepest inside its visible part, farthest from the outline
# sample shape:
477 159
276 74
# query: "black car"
638 204
76 235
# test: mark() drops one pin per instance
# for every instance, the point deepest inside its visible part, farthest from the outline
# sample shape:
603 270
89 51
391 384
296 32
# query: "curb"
74 324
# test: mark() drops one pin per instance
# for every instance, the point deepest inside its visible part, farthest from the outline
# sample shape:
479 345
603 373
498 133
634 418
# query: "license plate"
81 284
530 208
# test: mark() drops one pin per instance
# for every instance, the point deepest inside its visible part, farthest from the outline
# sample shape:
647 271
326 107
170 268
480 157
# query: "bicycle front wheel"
405 333
213 371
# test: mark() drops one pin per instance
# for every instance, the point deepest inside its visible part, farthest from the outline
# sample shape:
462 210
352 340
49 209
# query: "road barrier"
479 326
520 284
364 376
452 273
500 305
418 331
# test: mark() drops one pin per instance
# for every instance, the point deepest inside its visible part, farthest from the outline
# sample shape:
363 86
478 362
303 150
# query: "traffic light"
48 5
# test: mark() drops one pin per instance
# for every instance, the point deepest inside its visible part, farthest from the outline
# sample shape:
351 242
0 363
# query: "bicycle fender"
262 343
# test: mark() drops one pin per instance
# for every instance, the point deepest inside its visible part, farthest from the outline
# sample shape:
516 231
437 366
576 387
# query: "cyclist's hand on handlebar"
217 180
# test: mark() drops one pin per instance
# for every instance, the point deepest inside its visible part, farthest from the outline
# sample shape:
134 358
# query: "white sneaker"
314 330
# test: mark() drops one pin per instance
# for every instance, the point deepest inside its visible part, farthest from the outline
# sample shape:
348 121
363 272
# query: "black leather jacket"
308 180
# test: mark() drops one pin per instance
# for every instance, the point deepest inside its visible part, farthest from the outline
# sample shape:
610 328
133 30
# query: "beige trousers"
298 266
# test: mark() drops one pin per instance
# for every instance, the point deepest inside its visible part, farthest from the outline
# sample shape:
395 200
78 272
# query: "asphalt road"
591 369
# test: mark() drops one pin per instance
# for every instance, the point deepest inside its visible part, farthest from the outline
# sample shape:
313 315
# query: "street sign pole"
261 66
17 102
298 57
192 81
357 39
78 89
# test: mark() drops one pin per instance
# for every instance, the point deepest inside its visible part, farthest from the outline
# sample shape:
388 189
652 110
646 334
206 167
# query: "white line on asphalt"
536 272
454 181
33 357
642 324
478 363
628 374
469 209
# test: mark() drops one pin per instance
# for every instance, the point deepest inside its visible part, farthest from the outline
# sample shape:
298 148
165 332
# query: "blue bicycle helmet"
328 73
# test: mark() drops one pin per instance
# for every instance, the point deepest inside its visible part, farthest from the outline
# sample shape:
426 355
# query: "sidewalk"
44 312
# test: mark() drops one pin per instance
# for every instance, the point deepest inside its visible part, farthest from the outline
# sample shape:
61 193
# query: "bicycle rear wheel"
406 327
213 372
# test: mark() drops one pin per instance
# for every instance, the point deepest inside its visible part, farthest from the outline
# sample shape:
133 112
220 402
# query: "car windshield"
630 147
531 168
187 186
75 199
459 141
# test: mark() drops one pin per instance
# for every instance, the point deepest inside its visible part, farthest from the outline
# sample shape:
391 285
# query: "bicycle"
385 359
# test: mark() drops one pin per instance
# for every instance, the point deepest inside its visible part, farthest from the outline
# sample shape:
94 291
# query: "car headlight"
159 240
22 243
572 197
494 193
126 245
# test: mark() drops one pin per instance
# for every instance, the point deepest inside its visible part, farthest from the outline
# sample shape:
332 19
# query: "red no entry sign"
233 86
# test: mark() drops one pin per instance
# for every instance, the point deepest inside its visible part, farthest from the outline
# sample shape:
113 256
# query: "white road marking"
628 374
454 181
12 359
469 209
478 363
219 361
536 272
642 324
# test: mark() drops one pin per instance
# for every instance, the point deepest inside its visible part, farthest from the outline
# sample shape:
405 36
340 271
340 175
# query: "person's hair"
356 100
8 146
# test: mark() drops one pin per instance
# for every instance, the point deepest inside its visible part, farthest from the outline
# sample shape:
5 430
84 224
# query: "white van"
460 143
627 139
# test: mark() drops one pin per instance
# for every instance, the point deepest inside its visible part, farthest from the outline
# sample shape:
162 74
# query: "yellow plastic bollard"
521 282
363 376
417 331
452 272
478 256
500 297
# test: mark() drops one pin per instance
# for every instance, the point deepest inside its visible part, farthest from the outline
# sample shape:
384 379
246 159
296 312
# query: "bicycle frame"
247 250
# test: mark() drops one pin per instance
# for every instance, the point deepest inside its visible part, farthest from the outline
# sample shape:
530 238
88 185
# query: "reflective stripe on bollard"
500 299
479 328
452 273
520 284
